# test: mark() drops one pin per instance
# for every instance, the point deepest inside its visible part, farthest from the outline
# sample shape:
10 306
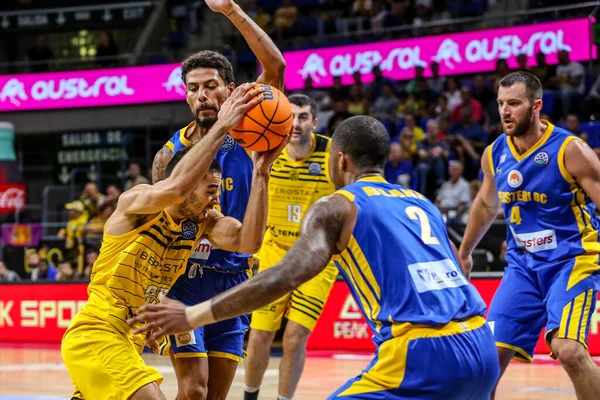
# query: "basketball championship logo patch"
314 168
189 230
541 159
515 179
228 144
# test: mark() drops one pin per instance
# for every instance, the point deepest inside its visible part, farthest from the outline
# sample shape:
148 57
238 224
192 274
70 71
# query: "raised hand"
264 159
222 6
237 104
166 318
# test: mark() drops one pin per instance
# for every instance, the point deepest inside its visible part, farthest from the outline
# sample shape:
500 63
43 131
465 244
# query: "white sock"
251 389
280 397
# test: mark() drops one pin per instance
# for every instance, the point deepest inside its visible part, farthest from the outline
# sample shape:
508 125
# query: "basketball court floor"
37 373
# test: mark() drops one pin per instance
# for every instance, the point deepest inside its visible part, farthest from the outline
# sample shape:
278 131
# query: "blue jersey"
399 263
547 212
237 168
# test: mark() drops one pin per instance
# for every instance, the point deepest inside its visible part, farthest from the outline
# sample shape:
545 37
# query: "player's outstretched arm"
483 213
582 164
326 230
261 44
148 199
159 165
246 237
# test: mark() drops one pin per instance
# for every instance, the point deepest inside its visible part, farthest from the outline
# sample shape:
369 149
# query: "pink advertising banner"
460 53
95 88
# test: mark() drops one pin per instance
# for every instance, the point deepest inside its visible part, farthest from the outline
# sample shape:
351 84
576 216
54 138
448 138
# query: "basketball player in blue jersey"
206 359
548 184
391 246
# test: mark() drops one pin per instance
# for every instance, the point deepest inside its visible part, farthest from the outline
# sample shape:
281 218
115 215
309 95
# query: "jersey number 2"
415 213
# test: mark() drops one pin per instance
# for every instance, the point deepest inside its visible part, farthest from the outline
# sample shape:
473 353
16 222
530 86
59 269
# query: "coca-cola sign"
12 197
460 53
103 87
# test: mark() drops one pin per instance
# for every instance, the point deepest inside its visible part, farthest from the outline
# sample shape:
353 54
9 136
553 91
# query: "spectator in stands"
469 140
285 18
73 233
107 51
454 195
398 169
411 86
433 158
572 124
95 227
40 56
262 19
441 110
135 177
436 82
501 69
91 199
90 258
357 103
6 275
416 133
543 71
65 272
452 93
467 100
492 115
474 188
112 194
375 88
40 270
386 105
591 107
522 62
338 92
499 263
569 75
482 92
318 95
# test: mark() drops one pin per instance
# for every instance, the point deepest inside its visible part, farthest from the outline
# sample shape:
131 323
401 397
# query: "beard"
192 209
206 122
523 127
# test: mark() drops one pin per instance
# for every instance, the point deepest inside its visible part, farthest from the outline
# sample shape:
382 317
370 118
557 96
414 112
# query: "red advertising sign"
39 312
342 327
12 197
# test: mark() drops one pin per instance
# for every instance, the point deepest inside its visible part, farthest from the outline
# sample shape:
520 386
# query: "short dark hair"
365 140
208 59
302 100
214 168
533 86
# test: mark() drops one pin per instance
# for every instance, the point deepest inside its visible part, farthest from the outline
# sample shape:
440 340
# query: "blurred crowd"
440 126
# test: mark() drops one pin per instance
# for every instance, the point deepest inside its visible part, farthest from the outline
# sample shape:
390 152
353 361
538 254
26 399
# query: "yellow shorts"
104 363
303 306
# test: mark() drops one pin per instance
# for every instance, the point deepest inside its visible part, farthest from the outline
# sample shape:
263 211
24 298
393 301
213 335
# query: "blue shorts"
456 362
560 296
223 339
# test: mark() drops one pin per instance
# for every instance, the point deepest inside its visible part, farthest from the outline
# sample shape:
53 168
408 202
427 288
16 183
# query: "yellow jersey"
134 268
294 186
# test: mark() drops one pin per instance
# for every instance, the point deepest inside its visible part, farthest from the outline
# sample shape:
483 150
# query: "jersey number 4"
515 215
416 213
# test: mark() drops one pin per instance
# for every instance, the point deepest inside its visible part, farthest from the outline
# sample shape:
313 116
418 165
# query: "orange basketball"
266 125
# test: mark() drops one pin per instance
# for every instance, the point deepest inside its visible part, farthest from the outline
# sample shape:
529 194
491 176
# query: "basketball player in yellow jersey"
299 178
146 244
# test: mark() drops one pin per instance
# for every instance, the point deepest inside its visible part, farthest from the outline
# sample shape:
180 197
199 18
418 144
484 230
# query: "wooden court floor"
28 373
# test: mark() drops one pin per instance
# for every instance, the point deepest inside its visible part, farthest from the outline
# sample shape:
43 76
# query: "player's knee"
571 354
261 338
192 391
295 340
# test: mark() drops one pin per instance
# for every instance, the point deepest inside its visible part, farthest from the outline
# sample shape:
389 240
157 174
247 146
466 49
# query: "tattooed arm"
261 44
159 165
326 230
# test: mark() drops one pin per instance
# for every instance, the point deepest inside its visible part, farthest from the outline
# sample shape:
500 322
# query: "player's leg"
192 376
264 324
294 356
221 373
148 392
517 313
303 312
569 316
105 364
